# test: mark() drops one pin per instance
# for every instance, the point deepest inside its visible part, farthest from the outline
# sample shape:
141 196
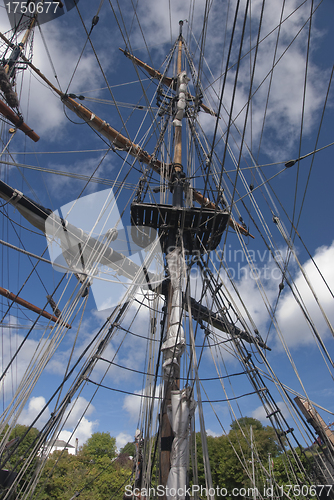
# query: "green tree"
95 472
62 476
129 449
246 422
26 438
230 455
283 464
99 445
20 444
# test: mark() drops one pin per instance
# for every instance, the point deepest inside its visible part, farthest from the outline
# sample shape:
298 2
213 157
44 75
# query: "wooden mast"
172 383
120 141
5 110
178 130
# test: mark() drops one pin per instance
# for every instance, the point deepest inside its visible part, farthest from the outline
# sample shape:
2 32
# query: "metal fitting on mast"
177 177
180 24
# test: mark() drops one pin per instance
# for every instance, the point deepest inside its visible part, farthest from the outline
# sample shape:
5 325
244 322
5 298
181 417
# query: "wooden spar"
28 31
31 307
119 141
17 121
166 80
123 143
313 417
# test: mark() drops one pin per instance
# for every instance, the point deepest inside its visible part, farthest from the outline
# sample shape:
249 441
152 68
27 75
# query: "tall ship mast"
163 260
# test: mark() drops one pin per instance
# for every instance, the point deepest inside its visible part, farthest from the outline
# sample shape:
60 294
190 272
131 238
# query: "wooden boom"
31 307
17 121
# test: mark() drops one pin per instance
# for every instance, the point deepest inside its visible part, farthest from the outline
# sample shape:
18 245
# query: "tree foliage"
99 445
94 472
129 449
231 454
21 441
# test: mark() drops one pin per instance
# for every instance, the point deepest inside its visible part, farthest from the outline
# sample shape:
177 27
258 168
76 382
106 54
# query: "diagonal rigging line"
128 44
119 313
135 15
303 115
224 82
49 55
261 41
222 93
94 22
101 68
203 40
170 22
271 70
248 103
88 178
295 228
231 109
271 78
22 244
316 143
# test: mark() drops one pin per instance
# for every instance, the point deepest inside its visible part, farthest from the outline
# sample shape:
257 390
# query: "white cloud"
285 104
122 439
290 318
157 18
76 409
61 37
72 417
76 415
35 406
10 343
209 432
83 432
260 413
64 187
294 326
134 404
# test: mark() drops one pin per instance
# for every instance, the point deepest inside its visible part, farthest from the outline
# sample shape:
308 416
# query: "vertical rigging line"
271 78
315 147
203 40
141 31
303 115
220 102
170 24
248 102
49 57
225 38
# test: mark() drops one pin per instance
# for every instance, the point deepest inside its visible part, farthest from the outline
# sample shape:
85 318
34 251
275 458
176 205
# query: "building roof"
59 443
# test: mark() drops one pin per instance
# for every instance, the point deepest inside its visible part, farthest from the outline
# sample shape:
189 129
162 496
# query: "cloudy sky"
279 108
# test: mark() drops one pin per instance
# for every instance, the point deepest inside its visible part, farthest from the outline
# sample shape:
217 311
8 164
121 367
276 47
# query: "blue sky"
73 147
